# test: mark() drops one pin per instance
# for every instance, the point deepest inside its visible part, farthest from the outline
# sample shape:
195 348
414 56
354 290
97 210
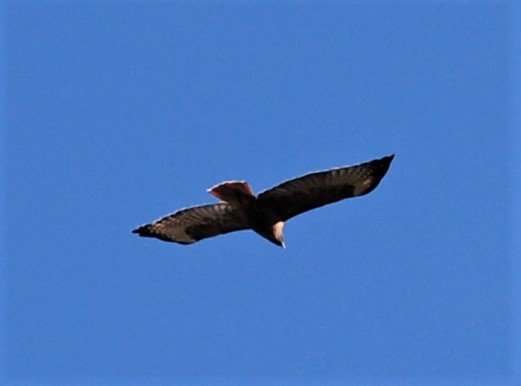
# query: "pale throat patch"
278 229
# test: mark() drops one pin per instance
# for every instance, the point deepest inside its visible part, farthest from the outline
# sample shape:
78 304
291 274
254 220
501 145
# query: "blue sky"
122 112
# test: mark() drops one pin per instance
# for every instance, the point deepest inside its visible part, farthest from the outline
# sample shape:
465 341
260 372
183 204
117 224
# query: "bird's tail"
232 191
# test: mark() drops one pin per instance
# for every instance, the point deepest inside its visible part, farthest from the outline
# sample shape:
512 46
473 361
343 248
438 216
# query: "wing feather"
314 190
193 224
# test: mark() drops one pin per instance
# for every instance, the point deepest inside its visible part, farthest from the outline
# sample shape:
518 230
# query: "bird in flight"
267 212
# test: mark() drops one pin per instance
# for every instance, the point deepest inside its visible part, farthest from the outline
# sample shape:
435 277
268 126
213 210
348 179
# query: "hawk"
267 212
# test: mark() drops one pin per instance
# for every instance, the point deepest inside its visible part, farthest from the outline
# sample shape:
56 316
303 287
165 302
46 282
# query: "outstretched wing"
193 224
318 189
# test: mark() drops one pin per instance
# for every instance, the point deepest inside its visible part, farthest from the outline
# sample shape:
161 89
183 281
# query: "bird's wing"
193 224
321 188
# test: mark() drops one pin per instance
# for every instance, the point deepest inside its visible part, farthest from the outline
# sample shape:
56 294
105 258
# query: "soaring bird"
267 212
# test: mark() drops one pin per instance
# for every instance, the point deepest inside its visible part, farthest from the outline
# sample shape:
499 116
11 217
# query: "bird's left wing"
193 224
318 189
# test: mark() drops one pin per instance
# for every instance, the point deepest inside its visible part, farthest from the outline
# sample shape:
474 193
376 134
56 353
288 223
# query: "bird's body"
266 213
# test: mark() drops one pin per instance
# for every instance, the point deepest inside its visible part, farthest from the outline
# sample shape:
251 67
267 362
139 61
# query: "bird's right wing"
318 189
193 224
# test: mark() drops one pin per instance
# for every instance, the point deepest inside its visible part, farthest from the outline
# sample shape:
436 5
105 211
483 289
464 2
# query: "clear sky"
118 113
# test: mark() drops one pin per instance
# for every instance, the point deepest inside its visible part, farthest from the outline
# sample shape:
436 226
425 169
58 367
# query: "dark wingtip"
384 164
389 158
143 231
379 170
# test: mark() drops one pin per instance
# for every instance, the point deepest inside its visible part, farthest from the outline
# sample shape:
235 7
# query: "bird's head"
272 233
278 235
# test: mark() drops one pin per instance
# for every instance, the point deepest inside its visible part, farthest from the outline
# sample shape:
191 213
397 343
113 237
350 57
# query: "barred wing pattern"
314 190
193 224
